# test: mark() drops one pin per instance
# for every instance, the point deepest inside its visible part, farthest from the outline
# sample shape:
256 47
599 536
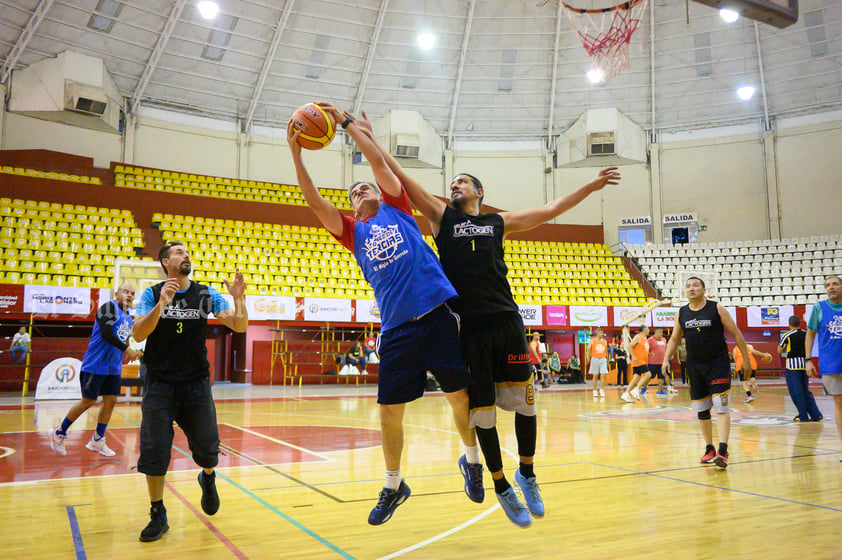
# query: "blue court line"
74 530
286 517
756 495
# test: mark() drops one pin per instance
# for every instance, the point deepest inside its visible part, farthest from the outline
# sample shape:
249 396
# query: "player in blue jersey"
419 332
102 365
825 324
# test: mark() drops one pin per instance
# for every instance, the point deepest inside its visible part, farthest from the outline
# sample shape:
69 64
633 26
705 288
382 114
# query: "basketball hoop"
606 32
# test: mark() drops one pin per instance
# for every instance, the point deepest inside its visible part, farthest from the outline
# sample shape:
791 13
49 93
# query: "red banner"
11 298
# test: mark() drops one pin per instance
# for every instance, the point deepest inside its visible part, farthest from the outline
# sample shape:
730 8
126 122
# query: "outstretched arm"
384 176
531 218
431 207
327 213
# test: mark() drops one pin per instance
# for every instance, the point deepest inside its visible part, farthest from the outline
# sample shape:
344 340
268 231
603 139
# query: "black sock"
748 393
158 506
209 476
526 470
501 485
710 447
723 448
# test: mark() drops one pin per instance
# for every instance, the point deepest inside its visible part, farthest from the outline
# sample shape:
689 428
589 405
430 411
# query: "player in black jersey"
173 315
470 248
703 323
792 344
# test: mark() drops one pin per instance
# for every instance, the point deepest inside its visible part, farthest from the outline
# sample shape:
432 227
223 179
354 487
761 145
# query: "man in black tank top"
173 316
470 248
702 323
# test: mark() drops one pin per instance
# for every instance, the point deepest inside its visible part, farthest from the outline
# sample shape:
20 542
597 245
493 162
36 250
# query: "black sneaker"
387 503
210 497
157 526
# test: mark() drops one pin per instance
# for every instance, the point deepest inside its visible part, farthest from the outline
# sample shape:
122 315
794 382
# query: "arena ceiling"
259 59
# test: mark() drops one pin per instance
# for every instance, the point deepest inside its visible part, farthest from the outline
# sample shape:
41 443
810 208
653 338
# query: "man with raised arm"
703 324
419 331
470 247
173 316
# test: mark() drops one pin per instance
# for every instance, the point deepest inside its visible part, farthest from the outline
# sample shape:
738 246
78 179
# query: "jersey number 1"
473 245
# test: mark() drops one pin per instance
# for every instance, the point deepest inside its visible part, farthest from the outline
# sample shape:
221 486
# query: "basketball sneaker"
210 497
643 391
749 399
595 393
721 460
531 494
626 397
472 473
57 442
602 392
672 390
661 394
514 510
635 394
709 455
387 503
100 447
157 525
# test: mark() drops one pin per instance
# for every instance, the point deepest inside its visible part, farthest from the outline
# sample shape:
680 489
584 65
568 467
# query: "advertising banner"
588 316
270 308
367 311
557 315
531 314
11 298
324 309
59 380
663 316
56 300
768 316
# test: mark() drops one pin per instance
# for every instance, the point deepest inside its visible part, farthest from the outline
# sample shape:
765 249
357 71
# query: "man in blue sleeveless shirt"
102 365
826 324
419 332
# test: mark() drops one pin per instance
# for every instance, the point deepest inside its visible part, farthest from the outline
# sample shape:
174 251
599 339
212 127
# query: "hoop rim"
621 6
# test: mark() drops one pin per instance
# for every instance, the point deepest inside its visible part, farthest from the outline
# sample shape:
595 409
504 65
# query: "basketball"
317 127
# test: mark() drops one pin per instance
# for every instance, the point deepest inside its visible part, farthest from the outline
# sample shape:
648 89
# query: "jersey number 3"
179 327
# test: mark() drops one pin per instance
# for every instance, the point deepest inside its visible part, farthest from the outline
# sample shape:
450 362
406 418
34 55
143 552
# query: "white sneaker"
625 396
595 393
635 394
363 372
373 359
100 447
57 442
672 389
602 392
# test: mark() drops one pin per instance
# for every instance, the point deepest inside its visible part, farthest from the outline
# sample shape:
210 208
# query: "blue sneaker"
472 473
387 503
661 394
515 511
531 494
643 391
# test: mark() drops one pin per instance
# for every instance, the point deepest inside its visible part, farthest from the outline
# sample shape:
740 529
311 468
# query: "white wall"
27 133
511 180
180 147
810 180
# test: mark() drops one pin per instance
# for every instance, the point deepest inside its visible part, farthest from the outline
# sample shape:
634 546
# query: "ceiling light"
426 41
208 9
729 15
596 75
745 93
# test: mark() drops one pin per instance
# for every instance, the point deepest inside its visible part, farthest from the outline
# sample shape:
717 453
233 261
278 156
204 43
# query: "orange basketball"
317 126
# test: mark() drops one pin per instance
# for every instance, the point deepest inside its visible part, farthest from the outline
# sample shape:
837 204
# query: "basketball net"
606 33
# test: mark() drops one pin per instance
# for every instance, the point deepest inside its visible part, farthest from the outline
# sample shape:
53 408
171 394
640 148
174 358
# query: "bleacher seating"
756 272
62 244
306 261
50 175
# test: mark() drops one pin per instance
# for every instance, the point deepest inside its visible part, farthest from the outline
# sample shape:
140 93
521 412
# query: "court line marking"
440 536
78 545
745 492
213 528
269 506
280 442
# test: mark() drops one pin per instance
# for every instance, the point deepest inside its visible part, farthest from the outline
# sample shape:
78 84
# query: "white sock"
393 479
472 454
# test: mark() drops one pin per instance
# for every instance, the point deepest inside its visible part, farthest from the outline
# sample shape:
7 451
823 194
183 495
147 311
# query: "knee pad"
720 403
704 414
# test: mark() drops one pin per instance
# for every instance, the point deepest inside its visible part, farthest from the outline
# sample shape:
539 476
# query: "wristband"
347 122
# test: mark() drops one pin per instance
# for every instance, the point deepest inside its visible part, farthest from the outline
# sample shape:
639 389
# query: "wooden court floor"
301 471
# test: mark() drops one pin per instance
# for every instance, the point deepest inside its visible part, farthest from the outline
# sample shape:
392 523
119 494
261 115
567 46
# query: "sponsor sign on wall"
324 309
367 311
663 316
270 308
588 316
60 380
531 314
768 316
57 300
11 298
557 315
623 314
